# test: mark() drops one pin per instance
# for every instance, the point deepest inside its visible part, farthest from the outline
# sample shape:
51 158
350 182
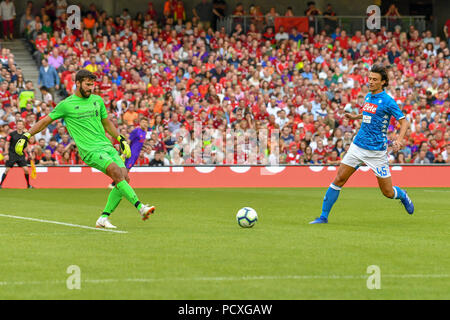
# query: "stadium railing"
347 23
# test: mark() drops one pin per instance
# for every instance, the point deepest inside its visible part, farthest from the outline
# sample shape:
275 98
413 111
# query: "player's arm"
398 143
6 153
404 125
38 127
112 130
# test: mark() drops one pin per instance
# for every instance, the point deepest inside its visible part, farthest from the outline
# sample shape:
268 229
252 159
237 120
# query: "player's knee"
339 181
120 176
116 174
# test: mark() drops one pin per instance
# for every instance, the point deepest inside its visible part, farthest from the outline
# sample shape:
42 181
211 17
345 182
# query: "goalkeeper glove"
22 143
124 146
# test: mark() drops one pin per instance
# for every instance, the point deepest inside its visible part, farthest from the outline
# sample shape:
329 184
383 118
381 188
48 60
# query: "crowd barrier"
227 177
302 23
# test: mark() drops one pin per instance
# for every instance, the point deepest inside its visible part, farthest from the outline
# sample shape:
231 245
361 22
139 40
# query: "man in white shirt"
272 107
322 111
428 38
44 134
125 15
155 50
305 108
124 103
6 115
7 15
281 34
347 82
281 118
265 75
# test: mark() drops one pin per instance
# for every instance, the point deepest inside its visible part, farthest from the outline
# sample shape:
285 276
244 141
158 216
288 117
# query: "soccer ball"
246 217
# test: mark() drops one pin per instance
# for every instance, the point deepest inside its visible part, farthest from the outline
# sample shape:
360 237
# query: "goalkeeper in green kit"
86 120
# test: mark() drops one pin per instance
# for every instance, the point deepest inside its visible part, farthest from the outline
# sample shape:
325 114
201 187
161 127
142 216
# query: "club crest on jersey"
370 107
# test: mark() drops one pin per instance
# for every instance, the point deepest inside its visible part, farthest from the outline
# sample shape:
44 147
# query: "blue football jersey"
376 111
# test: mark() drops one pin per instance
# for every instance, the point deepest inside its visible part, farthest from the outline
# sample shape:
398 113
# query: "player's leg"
114 198
26 172
386 188
109 162
394 192
144 209
378 162
12 160
129 163
332 194
348 166
27 176
120 178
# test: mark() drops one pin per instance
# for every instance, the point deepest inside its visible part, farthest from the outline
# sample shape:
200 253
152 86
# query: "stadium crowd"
173 72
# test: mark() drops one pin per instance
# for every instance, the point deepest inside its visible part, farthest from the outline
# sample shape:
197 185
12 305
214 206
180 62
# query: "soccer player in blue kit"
370 144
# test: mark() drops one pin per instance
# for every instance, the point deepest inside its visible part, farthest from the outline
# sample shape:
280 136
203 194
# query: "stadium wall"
342 7
441 8
227 177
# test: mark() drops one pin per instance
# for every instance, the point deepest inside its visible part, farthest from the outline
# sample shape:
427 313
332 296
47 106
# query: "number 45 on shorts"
382 172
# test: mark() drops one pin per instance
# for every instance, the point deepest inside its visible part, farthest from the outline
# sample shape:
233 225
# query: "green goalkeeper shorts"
102 158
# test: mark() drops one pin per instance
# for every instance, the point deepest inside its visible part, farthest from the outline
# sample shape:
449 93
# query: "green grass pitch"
193 248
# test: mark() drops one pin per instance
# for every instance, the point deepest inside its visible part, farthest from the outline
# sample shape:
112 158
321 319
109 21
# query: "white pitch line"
197 279
60 223
288 277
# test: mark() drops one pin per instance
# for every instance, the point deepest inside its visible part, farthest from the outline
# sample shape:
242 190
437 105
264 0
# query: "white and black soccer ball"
246 217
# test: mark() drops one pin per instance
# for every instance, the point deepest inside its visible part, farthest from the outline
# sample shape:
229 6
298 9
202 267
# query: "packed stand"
173 72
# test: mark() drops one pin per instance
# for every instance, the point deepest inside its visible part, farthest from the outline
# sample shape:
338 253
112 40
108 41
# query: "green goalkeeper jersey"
83 118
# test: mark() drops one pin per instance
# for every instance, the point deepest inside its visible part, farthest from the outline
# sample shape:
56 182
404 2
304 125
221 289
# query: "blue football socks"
329 200
398 193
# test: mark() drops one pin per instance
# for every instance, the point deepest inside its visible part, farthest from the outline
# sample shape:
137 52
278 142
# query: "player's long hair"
378 68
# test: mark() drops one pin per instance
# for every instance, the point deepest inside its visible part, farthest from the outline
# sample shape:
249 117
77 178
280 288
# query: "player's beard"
85 94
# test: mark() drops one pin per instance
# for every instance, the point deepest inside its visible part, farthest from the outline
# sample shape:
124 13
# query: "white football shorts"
374 159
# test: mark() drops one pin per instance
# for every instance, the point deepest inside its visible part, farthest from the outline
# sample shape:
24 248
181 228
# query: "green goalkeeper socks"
114 198
128 192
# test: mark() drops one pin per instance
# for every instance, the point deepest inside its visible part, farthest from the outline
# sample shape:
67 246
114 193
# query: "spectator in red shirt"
343 40
5 95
